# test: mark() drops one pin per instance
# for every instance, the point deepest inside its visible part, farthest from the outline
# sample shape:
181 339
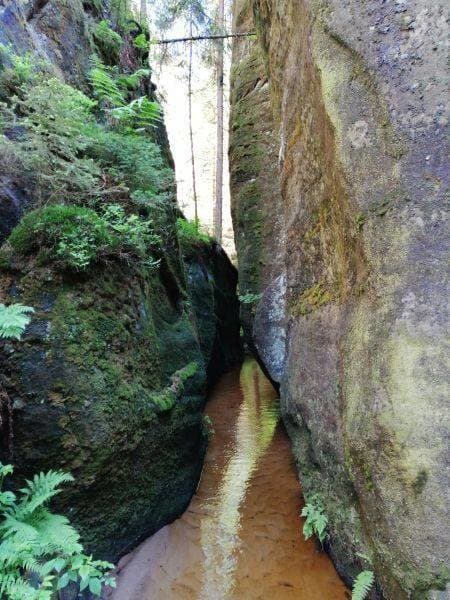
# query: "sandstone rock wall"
357 124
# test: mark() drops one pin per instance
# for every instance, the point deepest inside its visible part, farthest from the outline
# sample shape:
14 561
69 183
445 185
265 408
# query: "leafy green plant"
13 320
250 298
132 81
191 233
316 521
362 585
131 159
112 89
140 113
22 69
108 41
140 41
78 236
51 117
105 87
41 551
133 231
75 235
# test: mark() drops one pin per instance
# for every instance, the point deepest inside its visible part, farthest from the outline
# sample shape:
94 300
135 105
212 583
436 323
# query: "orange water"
240 538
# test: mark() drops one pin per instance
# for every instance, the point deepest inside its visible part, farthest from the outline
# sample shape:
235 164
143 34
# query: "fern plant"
105 87
13 320
362 585
40 552
316 520
141 113
250 298
108 41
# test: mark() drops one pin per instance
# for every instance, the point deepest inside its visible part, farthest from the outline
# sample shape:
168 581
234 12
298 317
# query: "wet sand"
240 538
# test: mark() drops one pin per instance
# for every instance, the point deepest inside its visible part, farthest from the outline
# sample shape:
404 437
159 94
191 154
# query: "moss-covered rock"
110 378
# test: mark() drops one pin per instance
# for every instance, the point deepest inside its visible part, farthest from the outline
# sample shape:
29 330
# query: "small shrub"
316 520
362 585
190 232
13 320
40 551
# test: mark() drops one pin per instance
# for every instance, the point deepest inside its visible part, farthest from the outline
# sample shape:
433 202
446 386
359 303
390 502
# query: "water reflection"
255 427
240 538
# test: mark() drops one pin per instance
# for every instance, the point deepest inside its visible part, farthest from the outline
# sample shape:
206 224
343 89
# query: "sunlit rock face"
357 228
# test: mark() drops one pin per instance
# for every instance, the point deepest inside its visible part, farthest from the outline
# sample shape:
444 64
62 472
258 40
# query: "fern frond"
57 535
40 490
362 585
140 113
13 320
15 527
105 87
14 587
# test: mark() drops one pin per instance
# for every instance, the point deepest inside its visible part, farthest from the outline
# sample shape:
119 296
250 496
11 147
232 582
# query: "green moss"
311 299
76 236
190 233
166 399
50 224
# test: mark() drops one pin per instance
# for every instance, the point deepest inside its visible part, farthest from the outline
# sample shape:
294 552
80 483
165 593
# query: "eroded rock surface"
354 147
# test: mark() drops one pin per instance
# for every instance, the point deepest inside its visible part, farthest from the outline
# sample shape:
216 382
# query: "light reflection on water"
240 538
255 427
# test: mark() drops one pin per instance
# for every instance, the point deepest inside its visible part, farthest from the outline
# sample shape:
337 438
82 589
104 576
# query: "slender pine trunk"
191 131
144 13
219 107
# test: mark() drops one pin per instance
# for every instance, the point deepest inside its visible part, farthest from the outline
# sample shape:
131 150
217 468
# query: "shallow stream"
240 538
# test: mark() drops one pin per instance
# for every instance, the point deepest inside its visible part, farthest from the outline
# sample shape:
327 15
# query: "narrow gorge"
273 425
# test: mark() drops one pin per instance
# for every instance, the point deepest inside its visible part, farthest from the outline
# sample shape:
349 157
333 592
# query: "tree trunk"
219 151
191 132
144 13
